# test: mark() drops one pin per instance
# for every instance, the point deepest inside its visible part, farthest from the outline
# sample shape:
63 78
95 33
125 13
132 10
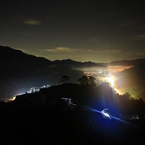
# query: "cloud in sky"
59 49
78 53
31 22
138 37
88 30
68 49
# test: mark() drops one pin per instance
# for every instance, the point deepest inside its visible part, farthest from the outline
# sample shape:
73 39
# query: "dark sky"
82 30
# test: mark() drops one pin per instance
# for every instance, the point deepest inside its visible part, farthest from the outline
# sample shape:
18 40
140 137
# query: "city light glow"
117 91
111 81
10 99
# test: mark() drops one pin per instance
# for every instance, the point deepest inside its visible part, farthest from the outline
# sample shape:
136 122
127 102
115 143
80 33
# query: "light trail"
109 116
103 112
10 99
112 84
117 91
69 101
111 81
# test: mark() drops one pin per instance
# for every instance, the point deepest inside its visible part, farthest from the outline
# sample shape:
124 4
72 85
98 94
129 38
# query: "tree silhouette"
64 78
87 80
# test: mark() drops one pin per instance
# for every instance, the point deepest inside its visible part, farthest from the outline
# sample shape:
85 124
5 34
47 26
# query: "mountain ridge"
16 63
20 70
10 52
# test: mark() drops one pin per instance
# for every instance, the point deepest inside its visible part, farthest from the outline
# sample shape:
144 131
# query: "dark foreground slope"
45 118
132 81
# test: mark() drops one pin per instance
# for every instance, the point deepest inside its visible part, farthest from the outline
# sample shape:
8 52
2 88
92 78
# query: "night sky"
82 30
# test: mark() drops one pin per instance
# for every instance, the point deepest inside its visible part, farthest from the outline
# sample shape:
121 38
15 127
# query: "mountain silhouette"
136 62
20 70
16 63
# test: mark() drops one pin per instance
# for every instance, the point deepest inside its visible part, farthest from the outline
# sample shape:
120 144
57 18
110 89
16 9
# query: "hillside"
45 118
21 71
131 81
137 62
15 63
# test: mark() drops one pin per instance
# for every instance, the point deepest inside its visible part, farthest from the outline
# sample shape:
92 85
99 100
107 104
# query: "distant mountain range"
137 62
21 70
15 62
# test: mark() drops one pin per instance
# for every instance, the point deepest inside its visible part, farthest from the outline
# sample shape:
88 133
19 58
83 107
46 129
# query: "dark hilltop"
69 110
70 114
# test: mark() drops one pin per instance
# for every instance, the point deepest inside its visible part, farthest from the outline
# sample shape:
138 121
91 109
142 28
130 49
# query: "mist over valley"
77 98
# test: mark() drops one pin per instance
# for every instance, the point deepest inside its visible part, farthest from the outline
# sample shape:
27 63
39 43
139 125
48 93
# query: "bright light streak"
111 81
69 101
105 113
13 98
94 110
110 116
117 91
10 99
97 111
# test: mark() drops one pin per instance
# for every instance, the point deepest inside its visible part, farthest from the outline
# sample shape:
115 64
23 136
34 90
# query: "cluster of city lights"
30 91
111 81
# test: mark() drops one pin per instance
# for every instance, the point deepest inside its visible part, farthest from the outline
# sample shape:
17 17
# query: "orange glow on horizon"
117 91
10 99
112 83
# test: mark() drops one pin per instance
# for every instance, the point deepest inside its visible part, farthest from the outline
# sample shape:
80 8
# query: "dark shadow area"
45 118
